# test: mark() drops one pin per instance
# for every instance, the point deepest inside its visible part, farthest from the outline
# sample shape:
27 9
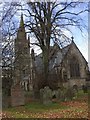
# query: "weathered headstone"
69 94
5 101
46 95
17 95
58 94
62 96
41 94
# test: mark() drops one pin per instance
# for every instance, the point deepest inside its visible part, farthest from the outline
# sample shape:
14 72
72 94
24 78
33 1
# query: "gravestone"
17 95
70 93
62 95
46 95
41 95
58 94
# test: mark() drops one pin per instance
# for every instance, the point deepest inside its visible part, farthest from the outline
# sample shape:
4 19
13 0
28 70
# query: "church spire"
21 35
21 22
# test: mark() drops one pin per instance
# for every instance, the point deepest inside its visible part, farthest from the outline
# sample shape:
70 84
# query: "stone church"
67 65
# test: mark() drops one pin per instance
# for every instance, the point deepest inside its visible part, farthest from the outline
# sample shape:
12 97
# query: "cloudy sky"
81 39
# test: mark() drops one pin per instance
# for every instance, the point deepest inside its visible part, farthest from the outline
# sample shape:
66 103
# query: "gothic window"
65 76
74 68
24 72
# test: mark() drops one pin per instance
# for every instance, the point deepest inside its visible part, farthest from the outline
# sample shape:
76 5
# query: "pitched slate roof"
38 62
56 56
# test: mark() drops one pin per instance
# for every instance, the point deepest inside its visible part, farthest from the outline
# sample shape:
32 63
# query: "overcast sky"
80 40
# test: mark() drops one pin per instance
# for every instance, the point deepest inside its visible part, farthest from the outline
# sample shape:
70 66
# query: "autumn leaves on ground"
77 108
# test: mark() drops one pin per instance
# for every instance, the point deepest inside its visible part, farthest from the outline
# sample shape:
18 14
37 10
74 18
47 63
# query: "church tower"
22 55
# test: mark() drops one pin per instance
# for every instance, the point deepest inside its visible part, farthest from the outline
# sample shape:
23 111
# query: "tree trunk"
46 66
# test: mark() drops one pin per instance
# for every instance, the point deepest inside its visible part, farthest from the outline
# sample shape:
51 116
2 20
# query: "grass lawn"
77 108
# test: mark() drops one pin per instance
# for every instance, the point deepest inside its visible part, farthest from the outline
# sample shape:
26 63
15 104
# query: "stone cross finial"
72 38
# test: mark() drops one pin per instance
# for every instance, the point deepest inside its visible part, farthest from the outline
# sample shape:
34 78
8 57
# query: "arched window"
74 68
65 76
24 73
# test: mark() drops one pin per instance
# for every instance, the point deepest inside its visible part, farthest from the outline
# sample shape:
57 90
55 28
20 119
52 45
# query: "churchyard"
44 74
75 108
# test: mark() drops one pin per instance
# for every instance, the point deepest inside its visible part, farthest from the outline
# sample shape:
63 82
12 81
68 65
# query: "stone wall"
77 82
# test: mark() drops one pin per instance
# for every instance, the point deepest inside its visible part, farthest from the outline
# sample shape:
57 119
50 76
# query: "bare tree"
8 31
48 21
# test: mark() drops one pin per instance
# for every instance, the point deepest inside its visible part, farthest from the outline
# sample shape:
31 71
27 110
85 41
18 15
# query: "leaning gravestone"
17 95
